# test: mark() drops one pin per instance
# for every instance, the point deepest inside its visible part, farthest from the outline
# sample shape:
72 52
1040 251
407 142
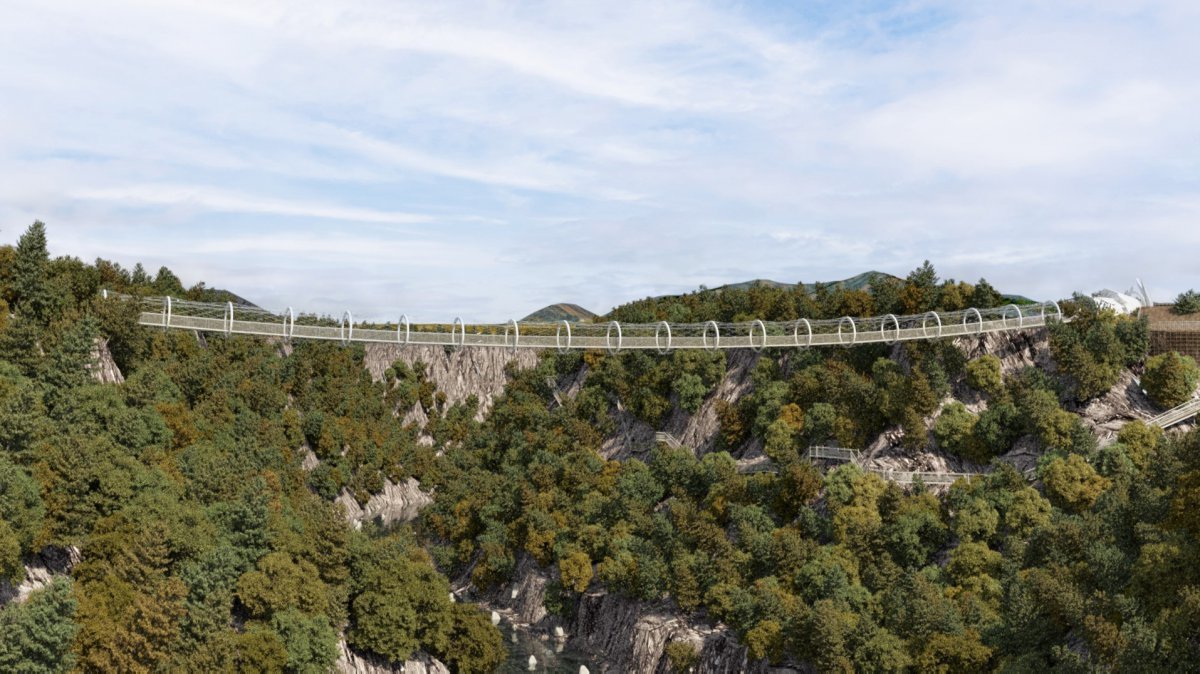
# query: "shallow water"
549 658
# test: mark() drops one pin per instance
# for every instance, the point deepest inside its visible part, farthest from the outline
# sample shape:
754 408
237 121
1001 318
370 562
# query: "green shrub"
1072 483
36 636
1187 302
983 374
955 431
682 656
1170 378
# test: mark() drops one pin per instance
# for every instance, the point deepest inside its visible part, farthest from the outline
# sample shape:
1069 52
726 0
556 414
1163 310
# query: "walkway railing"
230 319
833 454
1177 415
904 477
927 477
668 440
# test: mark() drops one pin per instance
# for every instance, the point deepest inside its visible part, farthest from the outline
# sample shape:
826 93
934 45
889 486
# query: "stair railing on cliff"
668 440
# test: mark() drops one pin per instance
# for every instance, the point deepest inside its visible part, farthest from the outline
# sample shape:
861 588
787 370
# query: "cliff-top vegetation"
206 545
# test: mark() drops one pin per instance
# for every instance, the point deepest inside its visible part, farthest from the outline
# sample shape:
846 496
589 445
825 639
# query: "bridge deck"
662 337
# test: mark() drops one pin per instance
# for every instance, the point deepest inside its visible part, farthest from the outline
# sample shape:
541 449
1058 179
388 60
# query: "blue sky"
484 159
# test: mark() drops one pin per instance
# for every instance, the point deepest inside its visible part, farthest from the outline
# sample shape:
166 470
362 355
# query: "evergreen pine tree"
29 274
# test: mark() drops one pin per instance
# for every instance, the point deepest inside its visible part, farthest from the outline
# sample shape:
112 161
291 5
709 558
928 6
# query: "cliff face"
350 662
625 634
103 367
457 373
1125 402
1016 350
40 570
395 503
633 636
523 602
698 431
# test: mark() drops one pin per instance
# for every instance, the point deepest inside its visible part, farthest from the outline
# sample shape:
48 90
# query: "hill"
857 282
562 311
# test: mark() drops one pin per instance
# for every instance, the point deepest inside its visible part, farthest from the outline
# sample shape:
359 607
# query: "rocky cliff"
632 636
103 367
457 373
395 503
625 634
350 662
40 570
697 431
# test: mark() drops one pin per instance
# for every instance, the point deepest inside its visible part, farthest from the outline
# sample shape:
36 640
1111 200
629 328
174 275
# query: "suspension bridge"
230 319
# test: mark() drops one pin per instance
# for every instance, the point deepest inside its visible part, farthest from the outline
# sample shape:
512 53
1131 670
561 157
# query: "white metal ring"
289 324
516 335
104 293
462 338
967 315
1057 310
925 324
657 330
167 313
883 329
796 332
608 337
229 310
408 329
716 335
762 326
347 320
1020 316
558 337
853 333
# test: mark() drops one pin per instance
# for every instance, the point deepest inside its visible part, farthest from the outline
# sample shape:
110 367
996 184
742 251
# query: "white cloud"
502 154
204 198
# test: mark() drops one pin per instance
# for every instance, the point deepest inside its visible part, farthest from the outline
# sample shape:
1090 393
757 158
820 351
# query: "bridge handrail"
1177 414
661 336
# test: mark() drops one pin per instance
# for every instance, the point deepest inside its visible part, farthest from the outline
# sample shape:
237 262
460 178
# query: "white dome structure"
1117 302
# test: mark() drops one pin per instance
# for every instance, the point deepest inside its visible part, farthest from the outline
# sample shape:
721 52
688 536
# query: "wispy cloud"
208 199
490 158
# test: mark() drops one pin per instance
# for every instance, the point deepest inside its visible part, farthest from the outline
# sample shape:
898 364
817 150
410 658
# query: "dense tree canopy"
206 546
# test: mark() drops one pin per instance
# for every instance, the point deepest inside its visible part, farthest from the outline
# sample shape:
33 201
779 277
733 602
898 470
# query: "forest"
204 544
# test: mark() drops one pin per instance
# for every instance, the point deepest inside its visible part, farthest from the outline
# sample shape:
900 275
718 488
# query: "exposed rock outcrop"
1016 350
457 373
395 503
1123 403
350 662
102 366
697 431
309 460
700 430
40 570
632 436
632 636
524 601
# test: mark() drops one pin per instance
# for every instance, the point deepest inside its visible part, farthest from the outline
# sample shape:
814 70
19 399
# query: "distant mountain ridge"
857 282
563 311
